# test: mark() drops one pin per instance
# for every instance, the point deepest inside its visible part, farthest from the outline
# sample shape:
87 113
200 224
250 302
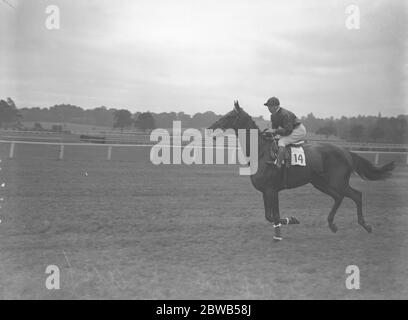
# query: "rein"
272 139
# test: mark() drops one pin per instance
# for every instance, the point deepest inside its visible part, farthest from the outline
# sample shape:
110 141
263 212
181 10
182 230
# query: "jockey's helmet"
272 102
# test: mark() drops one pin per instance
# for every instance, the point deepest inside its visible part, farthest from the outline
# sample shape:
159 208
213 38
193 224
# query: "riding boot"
281 157
271 162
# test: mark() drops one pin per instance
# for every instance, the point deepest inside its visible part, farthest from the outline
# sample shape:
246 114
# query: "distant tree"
163 119
203 120
9 114
11 103
375 127
312 123
101 116
135 116
65 112
327 131
356 132
377 133
38 127
145 121
403 129
398 129
185 119
122 119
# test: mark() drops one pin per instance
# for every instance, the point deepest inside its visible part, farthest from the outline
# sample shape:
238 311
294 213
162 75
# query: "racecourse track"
128 229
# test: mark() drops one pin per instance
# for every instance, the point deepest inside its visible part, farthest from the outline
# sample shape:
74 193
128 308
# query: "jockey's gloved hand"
272 131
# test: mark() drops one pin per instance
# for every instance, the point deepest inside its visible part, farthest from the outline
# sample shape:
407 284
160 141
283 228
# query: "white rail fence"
140 137
110 147
62 146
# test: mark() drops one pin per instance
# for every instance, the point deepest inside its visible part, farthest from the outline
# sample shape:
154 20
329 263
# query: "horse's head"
235 119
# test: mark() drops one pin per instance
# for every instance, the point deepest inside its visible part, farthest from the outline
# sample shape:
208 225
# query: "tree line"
361 128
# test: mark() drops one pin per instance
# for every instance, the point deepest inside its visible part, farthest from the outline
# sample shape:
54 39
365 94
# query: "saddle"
289 156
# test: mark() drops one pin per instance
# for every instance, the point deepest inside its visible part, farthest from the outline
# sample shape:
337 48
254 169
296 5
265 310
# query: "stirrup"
282 164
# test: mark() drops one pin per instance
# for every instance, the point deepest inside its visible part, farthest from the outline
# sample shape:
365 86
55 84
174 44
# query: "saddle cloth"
295 155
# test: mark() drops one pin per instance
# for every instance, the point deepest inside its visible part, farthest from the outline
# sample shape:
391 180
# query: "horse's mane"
250 120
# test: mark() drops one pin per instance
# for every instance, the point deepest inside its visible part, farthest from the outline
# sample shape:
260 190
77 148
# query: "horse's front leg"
276 216
268 205
271 203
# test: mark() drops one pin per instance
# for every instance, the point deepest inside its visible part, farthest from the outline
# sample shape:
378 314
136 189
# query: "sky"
201 55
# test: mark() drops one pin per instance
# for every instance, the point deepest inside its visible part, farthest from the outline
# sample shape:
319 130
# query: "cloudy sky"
198 55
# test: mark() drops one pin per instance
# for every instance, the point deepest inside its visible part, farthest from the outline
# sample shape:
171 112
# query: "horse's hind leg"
338 198
330 219
357 197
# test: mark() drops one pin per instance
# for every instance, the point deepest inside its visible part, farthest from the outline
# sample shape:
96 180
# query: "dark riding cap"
272 102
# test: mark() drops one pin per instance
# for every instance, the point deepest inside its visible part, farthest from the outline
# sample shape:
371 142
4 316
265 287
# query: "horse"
328 168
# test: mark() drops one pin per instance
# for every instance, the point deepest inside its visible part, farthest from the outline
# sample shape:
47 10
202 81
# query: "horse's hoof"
368 228
277 239
333 227
293 220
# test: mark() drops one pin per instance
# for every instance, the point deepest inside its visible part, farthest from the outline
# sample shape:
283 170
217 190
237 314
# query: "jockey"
286 125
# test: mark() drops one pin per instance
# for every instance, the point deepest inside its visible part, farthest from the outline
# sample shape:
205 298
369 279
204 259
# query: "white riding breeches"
298 134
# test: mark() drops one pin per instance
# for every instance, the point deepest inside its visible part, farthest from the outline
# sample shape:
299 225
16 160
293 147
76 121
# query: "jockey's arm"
284 131
287 128
273 132
270 130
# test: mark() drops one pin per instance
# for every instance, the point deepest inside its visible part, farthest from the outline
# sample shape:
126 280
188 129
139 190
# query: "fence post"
377 158
61 154
11 154
109 153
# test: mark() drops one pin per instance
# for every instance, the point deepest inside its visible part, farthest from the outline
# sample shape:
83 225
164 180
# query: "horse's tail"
366 170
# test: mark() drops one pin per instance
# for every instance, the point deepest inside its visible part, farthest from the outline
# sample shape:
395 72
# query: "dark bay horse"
328 168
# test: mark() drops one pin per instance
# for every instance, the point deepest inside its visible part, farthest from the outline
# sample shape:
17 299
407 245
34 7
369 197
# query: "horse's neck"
262 143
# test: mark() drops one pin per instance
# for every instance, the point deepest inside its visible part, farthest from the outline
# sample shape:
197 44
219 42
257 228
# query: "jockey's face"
273 109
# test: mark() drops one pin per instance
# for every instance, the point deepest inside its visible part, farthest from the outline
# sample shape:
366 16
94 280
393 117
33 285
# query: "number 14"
298 158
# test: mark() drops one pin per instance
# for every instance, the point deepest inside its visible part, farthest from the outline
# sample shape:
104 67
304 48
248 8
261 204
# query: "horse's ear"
236 105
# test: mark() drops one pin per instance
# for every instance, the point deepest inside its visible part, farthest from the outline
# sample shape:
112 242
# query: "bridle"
235 123
237 119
